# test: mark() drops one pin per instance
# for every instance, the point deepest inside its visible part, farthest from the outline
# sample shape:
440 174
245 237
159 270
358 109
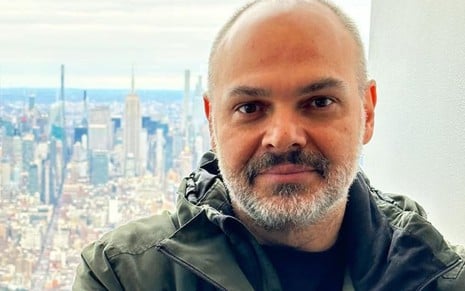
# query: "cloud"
104 37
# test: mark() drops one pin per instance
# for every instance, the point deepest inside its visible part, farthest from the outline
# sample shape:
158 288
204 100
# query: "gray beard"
299 210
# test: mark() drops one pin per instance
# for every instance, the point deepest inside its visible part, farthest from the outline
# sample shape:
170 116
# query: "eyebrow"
249 91
321 84
318 85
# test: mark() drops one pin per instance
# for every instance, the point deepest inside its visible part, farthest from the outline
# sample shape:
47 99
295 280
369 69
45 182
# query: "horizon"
92 89
51 95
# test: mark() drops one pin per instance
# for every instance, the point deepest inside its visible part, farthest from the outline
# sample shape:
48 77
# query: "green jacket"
201 246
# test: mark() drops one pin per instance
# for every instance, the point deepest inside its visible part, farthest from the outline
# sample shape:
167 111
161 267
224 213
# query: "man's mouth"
287 167
287 174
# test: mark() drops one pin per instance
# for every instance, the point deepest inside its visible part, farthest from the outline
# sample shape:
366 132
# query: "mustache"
297 157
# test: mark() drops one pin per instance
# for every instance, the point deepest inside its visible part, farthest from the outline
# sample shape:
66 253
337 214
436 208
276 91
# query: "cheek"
338 143
235 147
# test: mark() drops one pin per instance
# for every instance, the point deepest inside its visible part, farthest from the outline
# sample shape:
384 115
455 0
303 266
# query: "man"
279 204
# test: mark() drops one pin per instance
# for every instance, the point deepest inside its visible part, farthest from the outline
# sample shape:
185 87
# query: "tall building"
99 167
85 111
82 128
100 128
62 94
186 112
62 123
132 131
143 151
28 150
33 184
79 132
58 132
31 103
17 150
198 115
52 173
116 130
7 147
159 168
45 181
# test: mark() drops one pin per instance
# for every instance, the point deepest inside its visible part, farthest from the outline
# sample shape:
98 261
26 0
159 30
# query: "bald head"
260 9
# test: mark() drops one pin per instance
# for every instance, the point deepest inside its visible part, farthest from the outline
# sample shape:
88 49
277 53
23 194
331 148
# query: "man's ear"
370 98
207 107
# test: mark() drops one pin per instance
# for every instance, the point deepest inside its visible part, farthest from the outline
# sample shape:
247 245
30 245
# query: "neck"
317 237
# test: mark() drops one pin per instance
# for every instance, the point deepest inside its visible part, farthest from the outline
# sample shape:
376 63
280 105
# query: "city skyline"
66 181
99 42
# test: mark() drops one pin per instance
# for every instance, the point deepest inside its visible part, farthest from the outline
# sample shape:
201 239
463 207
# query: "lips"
287 174
287 169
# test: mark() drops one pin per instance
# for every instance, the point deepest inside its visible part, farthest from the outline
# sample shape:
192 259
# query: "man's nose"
285 131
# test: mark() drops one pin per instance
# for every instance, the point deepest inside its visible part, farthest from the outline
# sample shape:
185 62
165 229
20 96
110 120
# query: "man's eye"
321 102
248 108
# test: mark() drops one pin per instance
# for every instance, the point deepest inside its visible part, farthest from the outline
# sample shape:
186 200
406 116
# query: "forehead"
281 34
300 15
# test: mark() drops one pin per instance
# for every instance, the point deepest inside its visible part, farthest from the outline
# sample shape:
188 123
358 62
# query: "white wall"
417 56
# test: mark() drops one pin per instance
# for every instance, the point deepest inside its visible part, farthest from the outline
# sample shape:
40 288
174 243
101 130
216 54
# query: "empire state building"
131 133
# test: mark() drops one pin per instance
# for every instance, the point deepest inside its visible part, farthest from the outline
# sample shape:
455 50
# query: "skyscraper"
159 168
33 184
99 167
28 147
132 130
84 109
186 101
99 131
58 130
198 116
32 102
62 116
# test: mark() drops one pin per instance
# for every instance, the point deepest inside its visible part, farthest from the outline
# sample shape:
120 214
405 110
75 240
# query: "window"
99 121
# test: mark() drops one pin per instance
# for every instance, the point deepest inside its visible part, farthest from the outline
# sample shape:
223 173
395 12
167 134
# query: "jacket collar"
389 247
202 247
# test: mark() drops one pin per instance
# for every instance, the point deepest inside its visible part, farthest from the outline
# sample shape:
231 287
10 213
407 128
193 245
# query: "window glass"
100 118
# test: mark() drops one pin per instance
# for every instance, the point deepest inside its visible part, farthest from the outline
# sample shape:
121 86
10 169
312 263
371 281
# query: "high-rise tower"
186 101
99 128
62 103
131 133
85 111
59 123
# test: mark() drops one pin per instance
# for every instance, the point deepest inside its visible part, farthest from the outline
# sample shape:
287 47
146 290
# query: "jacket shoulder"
395 205
406 214
137 236
126 256
454 279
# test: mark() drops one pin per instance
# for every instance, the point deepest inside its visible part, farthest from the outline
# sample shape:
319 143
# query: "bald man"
280 203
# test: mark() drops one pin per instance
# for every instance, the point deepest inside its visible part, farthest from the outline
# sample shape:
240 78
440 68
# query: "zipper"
191 189
191 268
435 277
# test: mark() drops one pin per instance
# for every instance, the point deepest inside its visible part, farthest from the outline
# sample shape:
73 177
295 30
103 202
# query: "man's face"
287 117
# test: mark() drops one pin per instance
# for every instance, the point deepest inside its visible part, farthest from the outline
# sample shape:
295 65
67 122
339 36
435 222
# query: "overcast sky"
99 40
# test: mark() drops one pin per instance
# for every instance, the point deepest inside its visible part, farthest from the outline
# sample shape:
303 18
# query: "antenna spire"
133 90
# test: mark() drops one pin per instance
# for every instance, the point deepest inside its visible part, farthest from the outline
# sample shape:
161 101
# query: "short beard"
299 209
